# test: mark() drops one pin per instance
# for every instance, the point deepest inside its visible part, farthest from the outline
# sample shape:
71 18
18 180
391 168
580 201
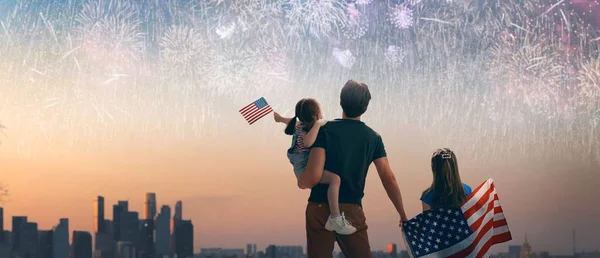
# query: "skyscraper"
29 239
392 250
150 206
82 245
251 251
125 250
45 244
18 222
184 239
178 211
130 225
163 232
99 215
118 210
1 225
146 244
60 239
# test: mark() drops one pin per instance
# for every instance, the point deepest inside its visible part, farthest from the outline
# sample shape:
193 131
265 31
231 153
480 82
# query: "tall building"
118 210
45 244
1 225
392 250
183 239
99 215
178 211
150 206
82 245
251 250
130 227
29 240
103 245
514 251
146 244
525 249
60 239
163 232
18 223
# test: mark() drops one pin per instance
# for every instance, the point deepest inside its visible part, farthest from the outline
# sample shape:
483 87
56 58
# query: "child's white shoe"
340 225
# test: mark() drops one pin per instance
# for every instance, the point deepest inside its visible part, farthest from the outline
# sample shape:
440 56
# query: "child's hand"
276 116
321 122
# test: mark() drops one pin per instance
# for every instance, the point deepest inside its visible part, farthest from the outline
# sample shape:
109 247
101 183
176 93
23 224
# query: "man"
346 147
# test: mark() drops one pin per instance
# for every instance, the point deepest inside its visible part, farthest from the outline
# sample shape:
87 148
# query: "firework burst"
357 24
394 56
184 53
589 84
531 70
401 17
110 34
320 18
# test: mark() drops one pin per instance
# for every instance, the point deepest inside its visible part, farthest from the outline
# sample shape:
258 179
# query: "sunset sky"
117 100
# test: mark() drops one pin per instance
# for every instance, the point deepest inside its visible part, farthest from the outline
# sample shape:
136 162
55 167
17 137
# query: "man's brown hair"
354 98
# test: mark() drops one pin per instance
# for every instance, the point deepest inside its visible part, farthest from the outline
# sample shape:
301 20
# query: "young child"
446 190
304 127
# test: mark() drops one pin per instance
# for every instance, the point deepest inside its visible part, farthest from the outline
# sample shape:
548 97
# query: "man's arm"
314 169
391 186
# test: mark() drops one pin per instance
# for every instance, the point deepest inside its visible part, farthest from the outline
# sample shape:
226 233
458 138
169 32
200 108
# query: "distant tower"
392 250
574 246
178 211
525 249
99 215
150 206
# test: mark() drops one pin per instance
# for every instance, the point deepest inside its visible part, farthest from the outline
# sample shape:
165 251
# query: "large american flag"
256 110
468 231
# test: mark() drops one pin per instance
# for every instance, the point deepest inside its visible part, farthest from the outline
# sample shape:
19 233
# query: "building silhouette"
18 224
82 245
392 250
1 225
178 211
525 249
29 240
163 232
146 244
251 251
150 206
183 239
60 239
274 251
45 244
99 226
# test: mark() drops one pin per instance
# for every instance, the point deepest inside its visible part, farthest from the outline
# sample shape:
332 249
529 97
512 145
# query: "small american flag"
256 110
468 231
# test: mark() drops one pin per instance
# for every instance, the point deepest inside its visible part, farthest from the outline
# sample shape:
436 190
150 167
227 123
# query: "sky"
120 100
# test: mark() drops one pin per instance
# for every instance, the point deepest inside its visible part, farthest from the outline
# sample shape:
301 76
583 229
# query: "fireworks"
344 57
363 2
530 70
589 83
319 18
184 53
394 55
401 17
357 24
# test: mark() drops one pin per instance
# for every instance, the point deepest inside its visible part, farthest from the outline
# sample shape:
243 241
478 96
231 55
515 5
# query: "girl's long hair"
307 111
447 188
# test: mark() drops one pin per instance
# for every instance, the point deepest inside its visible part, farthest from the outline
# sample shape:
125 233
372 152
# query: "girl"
304 127
447 190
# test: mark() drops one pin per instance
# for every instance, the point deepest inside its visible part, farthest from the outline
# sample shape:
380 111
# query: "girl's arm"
311 136
280 119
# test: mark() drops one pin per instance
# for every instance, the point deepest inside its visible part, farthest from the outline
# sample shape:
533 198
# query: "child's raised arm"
280 119
311 136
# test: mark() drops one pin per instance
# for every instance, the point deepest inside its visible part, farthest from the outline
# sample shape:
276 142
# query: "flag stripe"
260 115
475 195
479 235
482 211
256 110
